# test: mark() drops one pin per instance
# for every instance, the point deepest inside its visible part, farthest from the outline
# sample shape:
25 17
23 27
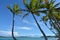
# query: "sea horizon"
28 38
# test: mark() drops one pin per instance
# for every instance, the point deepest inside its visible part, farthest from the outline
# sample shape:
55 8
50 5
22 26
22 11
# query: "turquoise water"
28 38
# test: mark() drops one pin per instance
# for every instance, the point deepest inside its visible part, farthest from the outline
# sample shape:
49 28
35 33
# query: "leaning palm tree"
52 14
55 26
32 8
14 12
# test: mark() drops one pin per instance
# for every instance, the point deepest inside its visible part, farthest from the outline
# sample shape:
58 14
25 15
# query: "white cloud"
24 28
8 33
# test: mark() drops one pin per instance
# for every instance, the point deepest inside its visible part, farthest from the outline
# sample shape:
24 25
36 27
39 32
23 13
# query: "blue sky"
25 27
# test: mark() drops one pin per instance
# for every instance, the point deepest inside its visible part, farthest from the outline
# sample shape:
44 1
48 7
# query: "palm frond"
9 8
37 13
41 1
53 1
25 15
57 9
32 4
56 5
37 5
42 11
25 3
45 18
15 8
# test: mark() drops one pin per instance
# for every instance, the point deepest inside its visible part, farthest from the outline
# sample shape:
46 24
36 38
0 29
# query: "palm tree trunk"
56 29
39 27
13 27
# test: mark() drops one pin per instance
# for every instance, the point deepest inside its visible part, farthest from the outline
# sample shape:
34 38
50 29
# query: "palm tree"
32 8
14 12
52 14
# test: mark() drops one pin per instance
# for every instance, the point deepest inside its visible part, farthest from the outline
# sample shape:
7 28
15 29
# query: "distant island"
22 36
2 37
50 36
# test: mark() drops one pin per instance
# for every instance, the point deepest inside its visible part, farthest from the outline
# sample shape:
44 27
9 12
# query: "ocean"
29 38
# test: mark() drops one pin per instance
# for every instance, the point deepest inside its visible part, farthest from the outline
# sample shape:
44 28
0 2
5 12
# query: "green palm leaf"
45 18
32 4
15 8
53 1
25 15
25 3
37 13
9 8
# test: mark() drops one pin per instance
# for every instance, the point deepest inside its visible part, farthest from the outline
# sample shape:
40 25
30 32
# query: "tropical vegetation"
36 7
